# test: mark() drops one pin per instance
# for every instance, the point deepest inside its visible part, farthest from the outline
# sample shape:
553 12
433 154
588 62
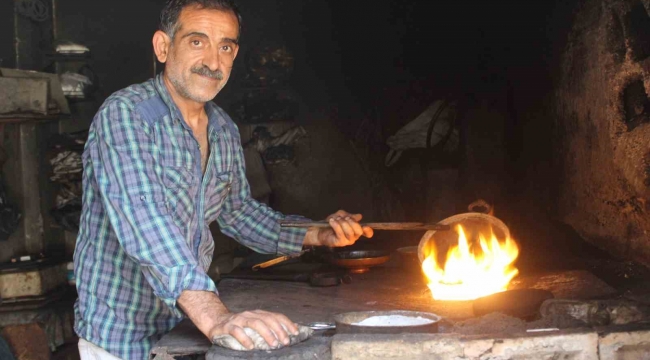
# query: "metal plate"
357 261
345 322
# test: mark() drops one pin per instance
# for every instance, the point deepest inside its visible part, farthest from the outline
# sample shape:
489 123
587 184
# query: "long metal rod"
277 261
374 225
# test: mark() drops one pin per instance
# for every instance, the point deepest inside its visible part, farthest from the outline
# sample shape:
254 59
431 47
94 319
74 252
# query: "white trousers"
90 351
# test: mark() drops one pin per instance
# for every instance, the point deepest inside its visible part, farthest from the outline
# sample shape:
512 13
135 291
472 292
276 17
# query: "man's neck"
193 112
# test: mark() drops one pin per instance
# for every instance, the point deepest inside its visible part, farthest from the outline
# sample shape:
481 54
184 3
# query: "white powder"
394 320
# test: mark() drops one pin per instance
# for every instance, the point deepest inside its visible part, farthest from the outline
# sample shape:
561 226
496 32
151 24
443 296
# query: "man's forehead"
197 19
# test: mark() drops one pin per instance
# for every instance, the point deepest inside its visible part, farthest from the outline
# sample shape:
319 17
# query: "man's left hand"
344 230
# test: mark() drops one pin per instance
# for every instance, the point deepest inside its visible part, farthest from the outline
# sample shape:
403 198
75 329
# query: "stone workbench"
383 288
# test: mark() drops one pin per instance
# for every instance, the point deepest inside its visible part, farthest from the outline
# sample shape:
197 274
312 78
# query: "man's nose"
211 59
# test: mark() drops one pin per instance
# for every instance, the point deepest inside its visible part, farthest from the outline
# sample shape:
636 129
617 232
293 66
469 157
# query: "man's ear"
236 52
161 44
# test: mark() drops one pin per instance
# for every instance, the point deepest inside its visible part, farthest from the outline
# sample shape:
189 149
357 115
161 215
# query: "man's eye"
226 48
196 42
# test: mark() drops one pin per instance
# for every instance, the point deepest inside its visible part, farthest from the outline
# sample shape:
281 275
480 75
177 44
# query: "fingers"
270 326
239 334
344 214
338 231
282 325
279 324
368 232
338 214
288 324
351 228
347 230
263 328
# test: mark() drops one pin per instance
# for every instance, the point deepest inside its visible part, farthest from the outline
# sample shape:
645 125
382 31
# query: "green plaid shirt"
144 236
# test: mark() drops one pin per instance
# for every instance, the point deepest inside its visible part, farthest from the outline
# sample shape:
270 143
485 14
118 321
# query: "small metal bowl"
357 261
345 323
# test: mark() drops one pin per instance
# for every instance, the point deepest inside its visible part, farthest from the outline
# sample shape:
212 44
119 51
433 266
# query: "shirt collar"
210 108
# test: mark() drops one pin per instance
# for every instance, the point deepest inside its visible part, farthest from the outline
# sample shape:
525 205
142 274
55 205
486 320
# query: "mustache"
205 71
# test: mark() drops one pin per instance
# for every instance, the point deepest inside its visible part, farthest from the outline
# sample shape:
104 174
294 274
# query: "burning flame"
470 273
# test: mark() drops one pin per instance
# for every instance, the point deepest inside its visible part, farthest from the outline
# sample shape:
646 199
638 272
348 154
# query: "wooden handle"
374 226
276 261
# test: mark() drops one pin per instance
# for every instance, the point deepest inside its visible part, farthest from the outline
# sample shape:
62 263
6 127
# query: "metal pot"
445 239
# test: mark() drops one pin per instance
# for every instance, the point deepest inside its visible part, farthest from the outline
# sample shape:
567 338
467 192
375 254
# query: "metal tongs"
325 224
374 225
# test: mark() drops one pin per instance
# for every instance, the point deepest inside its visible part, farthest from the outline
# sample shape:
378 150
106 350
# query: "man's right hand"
212 318
271 326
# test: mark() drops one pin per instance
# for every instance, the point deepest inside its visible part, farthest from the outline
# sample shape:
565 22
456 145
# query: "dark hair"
172 10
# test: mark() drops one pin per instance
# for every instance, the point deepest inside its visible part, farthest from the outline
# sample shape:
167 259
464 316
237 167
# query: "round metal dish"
345 323
357 261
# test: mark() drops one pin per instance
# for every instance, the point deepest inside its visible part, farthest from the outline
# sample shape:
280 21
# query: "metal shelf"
69 57
29 118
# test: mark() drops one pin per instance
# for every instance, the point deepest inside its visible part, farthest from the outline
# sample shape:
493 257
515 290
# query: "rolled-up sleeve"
133 195
252 223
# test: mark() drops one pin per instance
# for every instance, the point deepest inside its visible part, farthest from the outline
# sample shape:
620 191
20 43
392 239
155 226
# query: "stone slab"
398 346
385 289
614 342
565 345
625 345
382 288
611 343
576 284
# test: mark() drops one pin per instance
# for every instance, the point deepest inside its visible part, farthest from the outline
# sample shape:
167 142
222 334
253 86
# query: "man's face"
202 53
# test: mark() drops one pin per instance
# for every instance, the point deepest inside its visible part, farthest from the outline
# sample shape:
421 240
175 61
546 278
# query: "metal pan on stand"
357 261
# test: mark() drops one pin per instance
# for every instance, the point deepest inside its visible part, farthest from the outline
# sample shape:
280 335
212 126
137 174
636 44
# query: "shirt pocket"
218 190
180 192
175 177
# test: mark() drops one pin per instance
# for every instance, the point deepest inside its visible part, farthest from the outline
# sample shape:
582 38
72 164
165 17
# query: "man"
161 163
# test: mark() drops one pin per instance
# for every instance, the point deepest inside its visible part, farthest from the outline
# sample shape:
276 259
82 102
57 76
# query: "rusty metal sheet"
27 342
55 93
33 282
23 95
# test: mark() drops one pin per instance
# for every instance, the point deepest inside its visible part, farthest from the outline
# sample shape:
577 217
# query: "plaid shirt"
144 236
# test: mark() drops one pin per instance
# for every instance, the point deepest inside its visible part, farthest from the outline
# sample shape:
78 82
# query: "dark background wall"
385 62
7 48
118 34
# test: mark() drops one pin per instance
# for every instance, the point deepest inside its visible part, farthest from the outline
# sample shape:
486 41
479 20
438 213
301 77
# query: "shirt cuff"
291 239
193 279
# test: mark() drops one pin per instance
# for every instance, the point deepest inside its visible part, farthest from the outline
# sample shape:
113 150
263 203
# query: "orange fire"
470 272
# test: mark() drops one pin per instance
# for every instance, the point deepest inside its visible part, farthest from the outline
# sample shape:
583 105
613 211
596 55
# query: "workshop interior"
499 150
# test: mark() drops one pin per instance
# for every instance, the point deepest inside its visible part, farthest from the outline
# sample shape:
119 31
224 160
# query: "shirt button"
143 198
